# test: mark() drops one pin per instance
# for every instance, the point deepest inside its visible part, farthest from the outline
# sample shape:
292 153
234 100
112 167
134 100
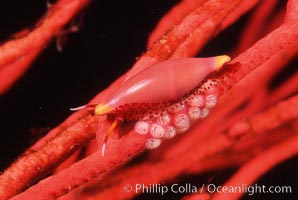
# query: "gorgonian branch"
80 128
16 55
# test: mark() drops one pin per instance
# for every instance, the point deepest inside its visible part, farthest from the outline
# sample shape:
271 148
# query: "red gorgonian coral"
252 128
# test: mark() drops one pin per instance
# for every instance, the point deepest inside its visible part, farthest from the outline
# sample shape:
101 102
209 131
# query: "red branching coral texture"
251 130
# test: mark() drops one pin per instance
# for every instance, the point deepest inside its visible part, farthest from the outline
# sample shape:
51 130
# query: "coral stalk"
132 141
252 170
17 55
230 131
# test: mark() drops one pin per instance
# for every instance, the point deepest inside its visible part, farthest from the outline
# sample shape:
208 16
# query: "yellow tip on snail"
102 109
221 60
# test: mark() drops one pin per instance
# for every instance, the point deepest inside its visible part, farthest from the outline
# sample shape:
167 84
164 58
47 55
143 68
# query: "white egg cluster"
177 119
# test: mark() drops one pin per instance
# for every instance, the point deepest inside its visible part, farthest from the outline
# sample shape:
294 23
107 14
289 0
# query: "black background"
112 36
